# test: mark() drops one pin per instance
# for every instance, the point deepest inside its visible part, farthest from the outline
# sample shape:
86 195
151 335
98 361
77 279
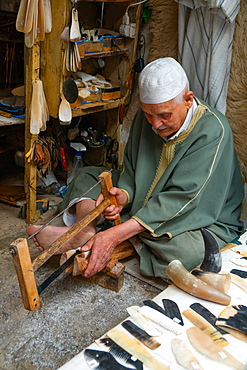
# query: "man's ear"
188 97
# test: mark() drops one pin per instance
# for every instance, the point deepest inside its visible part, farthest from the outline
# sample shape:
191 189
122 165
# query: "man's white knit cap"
161 80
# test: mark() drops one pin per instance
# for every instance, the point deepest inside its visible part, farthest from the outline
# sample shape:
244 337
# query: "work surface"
164 353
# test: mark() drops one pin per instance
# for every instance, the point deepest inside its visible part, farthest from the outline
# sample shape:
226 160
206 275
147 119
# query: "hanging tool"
25 268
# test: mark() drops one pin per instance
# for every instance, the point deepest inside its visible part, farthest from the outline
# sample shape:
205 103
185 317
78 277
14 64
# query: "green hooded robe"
177 187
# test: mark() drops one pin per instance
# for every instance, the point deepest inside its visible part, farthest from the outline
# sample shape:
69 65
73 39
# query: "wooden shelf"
6 148
96 107
103 54
4 121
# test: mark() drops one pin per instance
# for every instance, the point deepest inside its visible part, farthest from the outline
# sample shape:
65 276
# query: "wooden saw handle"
106 185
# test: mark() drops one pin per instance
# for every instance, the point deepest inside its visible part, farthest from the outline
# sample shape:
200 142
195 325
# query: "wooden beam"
25 274
32 68
52 49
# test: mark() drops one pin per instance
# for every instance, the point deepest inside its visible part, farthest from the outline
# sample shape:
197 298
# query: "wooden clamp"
25 268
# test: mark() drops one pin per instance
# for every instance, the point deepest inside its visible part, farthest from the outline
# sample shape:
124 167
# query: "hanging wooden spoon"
75 33
48 16
20 20
36 108
45 110
32 35
31 8
77 57
41 21
64 113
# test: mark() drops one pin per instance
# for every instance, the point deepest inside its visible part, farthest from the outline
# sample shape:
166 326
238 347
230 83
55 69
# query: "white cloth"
206 29
69 217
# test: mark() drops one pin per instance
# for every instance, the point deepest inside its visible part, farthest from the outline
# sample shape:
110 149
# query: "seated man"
180 173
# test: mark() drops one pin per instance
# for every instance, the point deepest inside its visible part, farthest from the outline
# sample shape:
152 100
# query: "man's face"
167 118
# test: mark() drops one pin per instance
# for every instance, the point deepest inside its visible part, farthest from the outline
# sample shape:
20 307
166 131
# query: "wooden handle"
106 185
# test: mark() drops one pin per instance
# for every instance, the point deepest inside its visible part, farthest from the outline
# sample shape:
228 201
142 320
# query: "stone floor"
73 312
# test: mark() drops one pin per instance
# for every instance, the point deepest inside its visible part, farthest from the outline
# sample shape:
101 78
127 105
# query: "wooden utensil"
36 108
21 16
41 21
31 9
75 33
39 109
32 34
48 16
64 113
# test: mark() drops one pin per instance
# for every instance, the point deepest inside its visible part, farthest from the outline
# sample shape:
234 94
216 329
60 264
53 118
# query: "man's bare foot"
51 233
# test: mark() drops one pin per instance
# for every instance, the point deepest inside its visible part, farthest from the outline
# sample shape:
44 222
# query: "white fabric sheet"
206 30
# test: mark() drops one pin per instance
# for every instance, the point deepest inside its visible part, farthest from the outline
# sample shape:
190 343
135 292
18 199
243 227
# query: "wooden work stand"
111 277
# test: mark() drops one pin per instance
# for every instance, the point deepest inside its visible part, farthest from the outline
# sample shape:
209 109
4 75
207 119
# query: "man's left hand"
102 246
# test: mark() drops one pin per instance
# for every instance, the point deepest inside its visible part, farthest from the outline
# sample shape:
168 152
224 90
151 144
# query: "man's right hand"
112 212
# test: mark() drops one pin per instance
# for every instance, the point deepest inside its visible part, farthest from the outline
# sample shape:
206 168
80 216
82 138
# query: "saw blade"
106 225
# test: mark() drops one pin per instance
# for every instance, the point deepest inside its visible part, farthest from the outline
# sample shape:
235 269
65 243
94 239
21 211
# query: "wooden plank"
25 274
32 68
82 109
105 281
52 49
105 54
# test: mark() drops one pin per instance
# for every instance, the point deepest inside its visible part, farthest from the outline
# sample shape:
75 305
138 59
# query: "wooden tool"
25 268
21 15
34 19
75 34
64 113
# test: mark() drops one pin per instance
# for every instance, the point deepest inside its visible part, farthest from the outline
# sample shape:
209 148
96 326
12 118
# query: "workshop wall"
237 91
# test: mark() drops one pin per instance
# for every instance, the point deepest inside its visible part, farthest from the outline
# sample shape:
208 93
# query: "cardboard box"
93 46
107 43
110 93
112 43
93 97
117 43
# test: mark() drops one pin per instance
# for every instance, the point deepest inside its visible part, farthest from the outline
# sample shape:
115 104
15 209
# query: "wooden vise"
25 268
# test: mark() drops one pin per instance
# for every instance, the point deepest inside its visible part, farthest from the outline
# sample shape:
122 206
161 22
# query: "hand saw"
25 268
